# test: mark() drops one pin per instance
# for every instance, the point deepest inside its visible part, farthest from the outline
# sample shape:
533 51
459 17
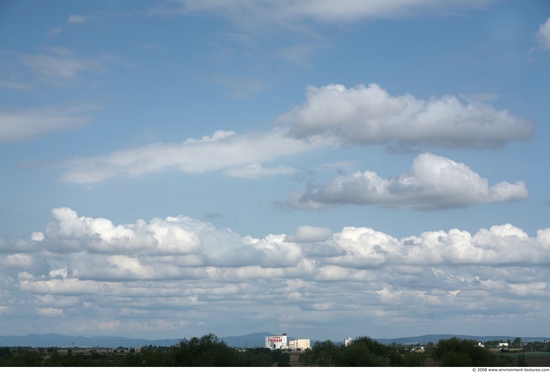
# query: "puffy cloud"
111 274
236 155
364 247
543 34
170 236
185 242
370 115
435 182
37 236
504 244
21 125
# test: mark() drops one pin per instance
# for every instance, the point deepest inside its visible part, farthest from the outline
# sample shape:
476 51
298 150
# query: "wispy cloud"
236 155
30 164
288 11
25 124
240 86
54 32
16 85
370 115
77 19
543 34
60 65
435 182
257 171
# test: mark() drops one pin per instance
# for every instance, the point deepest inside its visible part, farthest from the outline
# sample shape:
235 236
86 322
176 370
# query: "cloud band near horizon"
83 265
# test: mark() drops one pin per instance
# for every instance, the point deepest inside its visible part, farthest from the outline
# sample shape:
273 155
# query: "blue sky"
325 169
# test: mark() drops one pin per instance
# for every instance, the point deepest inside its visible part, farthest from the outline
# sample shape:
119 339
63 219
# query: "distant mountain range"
250 340
57 340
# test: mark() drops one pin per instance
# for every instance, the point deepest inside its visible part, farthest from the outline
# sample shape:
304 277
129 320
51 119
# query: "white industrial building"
301 344
282 342
276 342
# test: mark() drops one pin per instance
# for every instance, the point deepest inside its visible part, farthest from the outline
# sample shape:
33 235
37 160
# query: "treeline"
210 351
365 351
207 351
537 346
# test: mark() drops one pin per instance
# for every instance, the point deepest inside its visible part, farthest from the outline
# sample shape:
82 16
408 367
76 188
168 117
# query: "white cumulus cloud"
370 115
435 182
195 273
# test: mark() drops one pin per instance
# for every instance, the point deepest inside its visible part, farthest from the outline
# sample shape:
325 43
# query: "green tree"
461 353
430 347
365 351
280 359
5 356
322 354
27 358
412 359
207 351
362 352
521 361
455 359
258 357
